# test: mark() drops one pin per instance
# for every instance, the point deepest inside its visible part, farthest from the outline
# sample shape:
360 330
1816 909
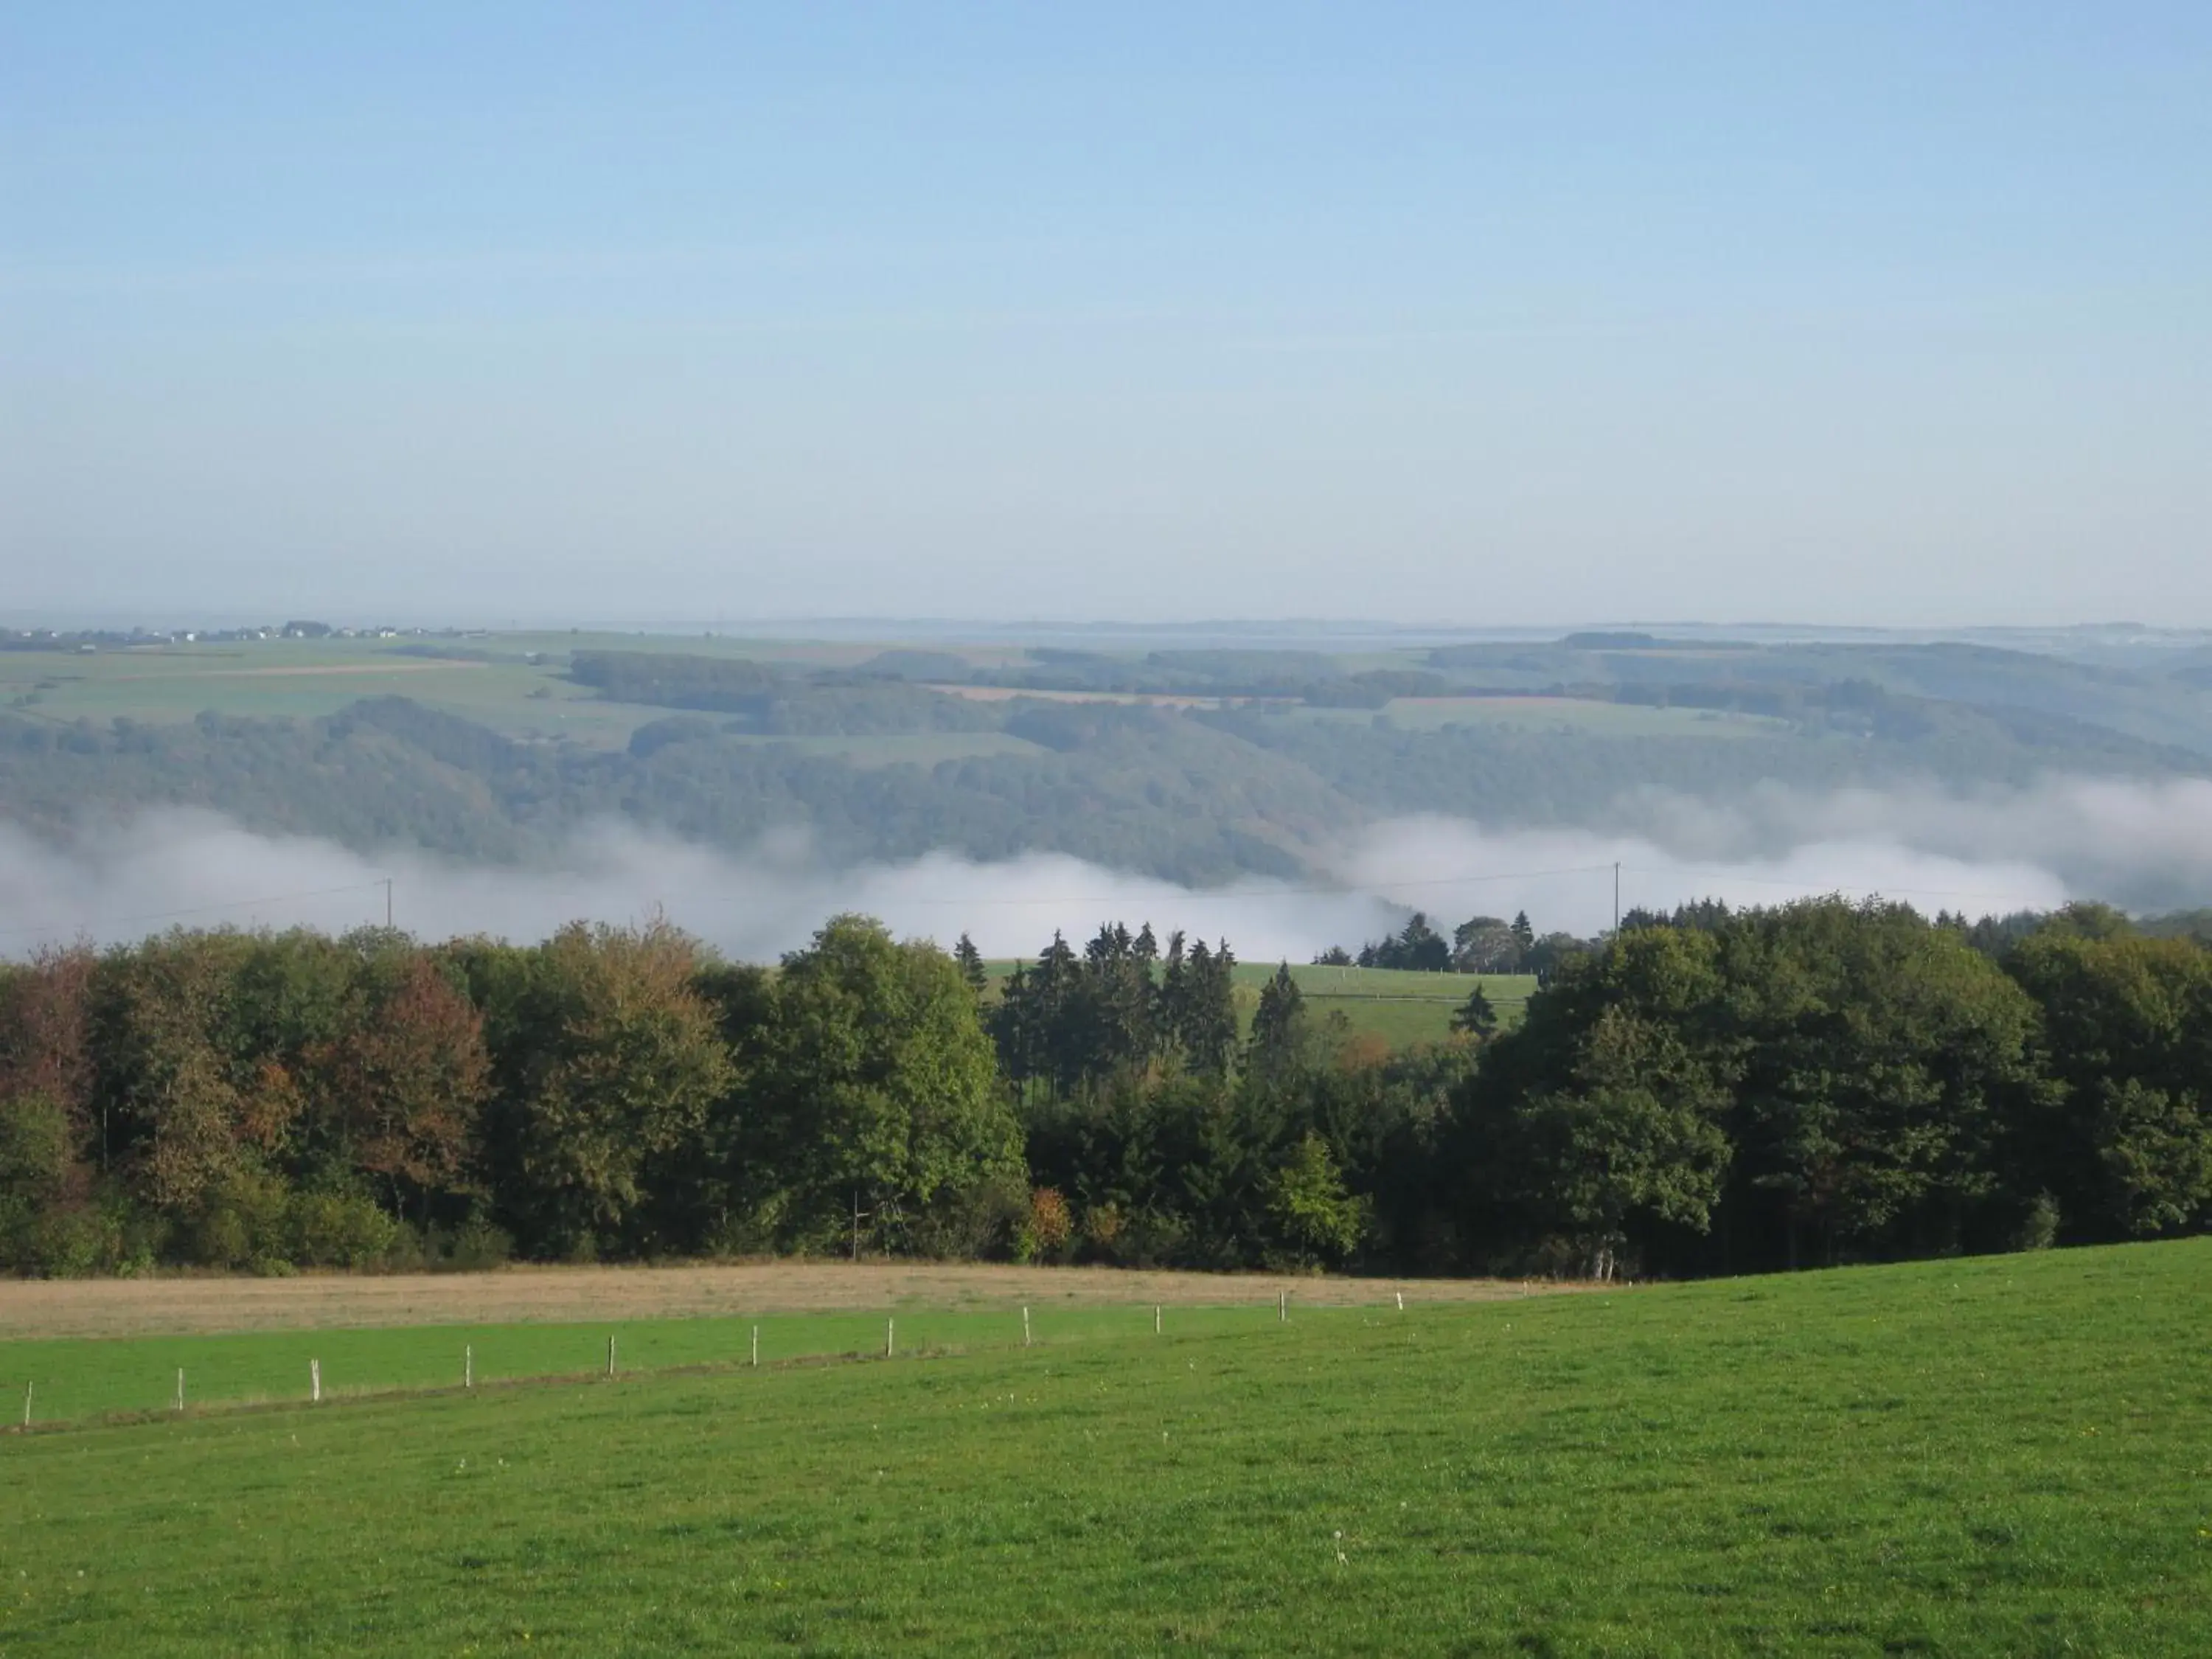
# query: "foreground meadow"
2004 1456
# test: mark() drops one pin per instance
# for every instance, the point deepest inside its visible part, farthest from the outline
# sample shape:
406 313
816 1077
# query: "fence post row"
890 1349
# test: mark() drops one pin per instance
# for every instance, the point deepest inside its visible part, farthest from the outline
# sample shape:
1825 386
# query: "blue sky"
1888 314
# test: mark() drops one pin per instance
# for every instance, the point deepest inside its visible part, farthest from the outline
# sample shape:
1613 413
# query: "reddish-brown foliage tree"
405 1084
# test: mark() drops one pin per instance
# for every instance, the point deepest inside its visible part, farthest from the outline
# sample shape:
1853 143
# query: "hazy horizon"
1886 317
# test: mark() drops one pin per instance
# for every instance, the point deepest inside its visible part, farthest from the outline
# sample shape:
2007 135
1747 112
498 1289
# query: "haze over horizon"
1886 317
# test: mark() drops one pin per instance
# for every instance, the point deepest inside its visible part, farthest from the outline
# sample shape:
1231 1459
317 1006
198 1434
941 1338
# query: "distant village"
139 639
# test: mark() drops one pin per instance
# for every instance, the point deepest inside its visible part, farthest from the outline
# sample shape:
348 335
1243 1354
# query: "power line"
1207 895
1196 895
1809 886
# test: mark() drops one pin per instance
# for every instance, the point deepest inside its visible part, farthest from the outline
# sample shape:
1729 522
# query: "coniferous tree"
971 966
1209 1031
1278 1025
1013 1026
1475 1017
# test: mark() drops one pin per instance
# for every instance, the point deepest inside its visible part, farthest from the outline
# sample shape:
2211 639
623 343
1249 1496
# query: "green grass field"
490 679
493 679
1402 1008
2008 1456
916 748
1590 715
271 679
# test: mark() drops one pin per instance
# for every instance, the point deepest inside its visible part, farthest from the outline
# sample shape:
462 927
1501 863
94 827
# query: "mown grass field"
1398 1007
2010 1456
1591 716
299 679
490 679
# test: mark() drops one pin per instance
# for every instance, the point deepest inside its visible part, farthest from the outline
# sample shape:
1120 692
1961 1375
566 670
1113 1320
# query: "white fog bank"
2139 845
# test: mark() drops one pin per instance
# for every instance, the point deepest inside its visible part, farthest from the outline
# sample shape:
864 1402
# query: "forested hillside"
1194 765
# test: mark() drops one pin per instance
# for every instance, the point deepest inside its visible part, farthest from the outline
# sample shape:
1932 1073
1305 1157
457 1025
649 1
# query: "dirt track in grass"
144 1307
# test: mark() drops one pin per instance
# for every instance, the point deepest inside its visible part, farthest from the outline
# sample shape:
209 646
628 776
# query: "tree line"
1706 1093
1481 944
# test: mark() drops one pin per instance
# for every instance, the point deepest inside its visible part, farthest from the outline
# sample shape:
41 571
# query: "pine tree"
971 965
1476 1016
1279 1025
1208 1032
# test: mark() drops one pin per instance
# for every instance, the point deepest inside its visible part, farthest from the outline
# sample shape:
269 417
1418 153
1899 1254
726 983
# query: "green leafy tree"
1638 1137
41 1183
875 1093
1484 945
1599 1119
611 1061
2126 1030
1319 1221
1882 1063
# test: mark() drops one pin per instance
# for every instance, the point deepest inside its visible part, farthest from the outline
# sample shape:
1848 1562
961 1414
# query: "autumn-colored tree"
173 1115
404 1082
45 1046
46 1077
613 1058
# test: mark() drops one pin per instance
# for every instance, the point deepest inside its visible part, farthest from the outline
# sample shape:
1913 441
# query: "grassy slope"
1399 1007
2006 1456
1558 713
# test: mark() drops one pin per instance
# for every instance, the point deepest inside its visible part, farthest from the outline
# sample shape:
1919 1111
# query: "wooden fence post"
315 1381
891 1331
756 1347
610 1356
468 1365
1025 1327
181 1388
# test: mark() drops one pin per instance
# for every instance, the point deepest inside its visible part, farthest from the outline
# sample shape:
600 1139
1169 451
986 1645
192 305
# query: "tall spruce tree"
1278 1025
970 961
